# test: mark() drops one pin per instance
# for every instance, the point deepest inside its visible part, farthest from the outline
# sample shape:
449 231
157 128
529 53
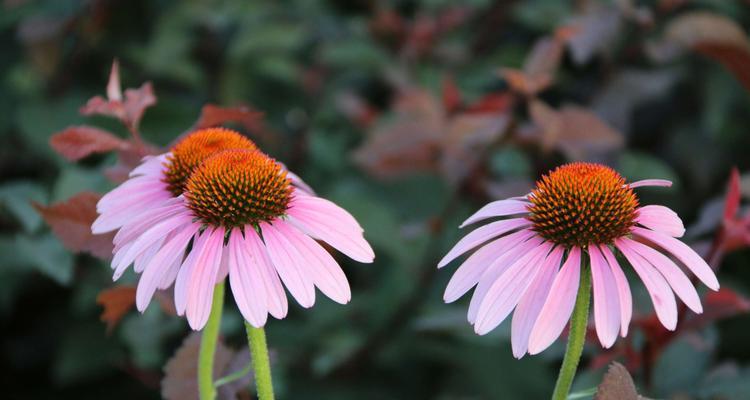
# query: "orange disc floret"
190 152
237 187
582 203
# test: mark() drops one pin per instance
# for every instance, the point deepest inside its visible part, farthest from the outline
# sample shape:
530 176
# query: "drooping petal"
682 252
325 271
532 301
276 296
504 294
321 219
290 265
481 235
606 299
660 292
151 165
497 209
651 182
468 274
494 271
661 219
623 290
671 272
203 280
246 281
559 305
142 260
141 223
160 264
186 271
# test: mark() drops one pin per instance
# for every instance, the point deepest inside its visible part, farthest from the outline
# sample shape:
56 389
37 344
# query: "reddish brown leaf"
716 37
594 32
539 69
451 95
181 371
129 111
576 131
725 303
117 301
213 115
732 202
617 384
71 222
77 142
465 137
356 109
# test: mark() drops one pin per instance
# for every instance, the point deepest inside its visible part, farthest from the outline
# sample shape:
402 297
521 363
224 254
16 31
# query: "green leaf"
47 255
17 198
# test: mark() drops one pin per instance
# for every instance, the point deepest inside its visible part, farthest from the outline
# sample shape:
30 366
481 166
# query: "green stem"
209 337
256 338
576 337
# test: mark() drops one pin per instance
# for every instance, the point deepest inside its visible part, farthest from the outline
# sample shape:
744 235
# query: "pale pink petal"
142 260
682 252
494 271
114 219
497 209
650 182
468 274
290 265
671 272
606 298
662 219
128 192
148 238
623 290
247 283
559 305
169 277
504 294
202 281
276 296
321 219
532 301
186 271
299 183
481 235
658 289
141 223
326 273
151 165
161 264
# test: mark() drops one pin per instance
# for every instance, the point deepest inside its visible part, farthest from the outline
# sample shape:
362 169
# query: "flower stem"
576 337
256 338
209 337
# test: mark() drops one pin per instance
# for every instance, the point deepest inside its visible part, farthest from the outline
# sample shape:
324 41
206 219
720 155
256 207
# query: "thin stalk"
256 338
209 338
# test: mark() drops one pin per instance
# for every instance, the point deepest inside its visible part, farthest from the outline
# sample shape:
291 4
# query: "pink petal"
141 223
328 222
671 272
468 274
186 271
203 280
507 290
494 271
623 290
559 304
151 165
114 219
290 265
142 260
276 297
658 289
481 235
160 264
299 183
651 182
662 219
248 286
606 299
532 301
497 209
326 273
683 253
169 277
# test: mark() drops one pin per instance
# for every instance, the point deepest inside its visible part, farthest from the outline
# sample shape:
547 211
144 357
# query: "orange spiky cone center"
582 203
238 187
191 151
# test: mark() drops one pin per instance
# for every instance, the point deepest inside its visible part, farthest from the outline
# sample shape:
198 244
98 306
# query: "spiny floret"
237 187
190 152
582 203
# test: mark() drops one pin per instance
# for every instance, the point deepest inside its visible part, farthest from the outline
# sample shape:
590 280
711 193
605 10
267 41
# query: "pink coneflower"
239 214
579 214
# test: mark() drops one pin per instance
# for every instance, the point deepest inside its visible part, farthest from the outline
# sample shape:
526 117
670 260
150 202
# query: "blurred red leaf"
725 303
130 110
117 301
356 109
593 32
539 68
714 36
77 142
732 202
213 115
71 222
181 371
451 95
576 131
617 384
